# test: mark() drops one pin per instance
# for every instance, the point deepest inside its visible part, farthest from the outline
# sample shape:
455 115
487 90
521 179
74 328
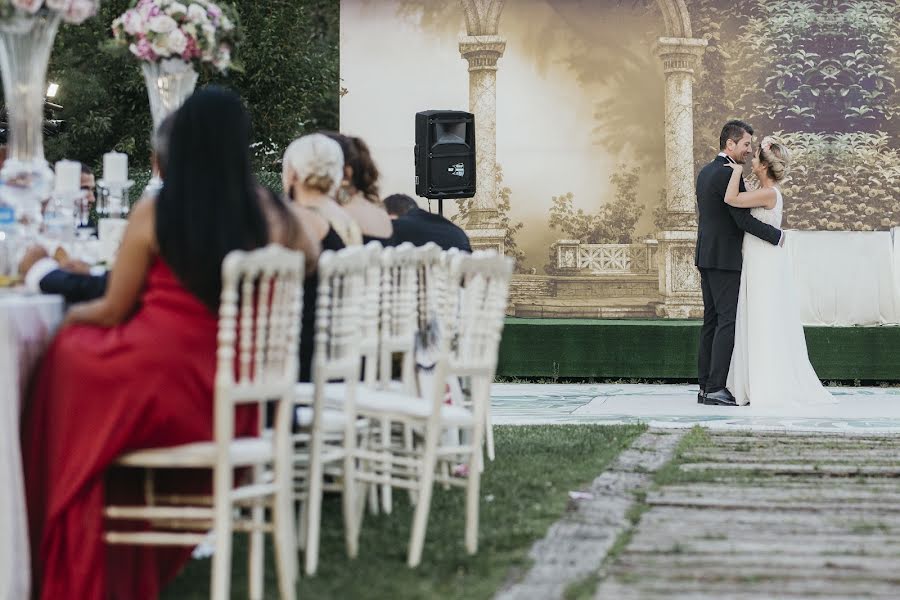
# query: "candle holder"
111 203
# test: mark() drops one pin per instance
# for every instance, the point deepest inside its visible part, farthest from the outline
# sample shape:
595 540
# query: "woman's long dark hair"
209 204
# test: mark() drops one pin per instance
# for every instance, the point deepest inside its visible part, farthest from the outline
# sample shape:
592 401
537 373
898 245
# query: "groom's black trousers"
720 298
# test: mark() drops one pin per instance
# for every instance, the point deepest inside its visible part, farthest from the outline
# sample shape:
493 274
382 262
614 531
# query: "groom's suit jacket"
720 231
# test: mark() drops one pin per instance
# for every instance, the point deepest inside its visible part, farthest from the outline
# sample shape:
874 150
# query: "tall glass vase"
169 83
26 179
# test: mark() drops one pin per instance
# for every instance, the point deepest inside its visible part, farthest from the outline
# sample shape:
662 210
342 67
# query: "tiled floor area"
860 410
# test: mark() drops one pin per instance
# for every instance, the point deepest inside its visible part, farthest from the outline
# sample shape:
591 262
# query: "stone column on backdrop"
679 280
483 225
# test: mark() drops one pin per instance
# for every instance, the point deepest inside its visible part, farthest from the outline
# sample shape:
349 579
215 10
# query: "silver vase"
25 44
169 83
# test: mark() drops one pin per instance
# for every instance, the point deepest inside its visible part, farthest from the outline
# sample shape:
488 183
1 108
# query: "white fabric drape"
27 323
846 278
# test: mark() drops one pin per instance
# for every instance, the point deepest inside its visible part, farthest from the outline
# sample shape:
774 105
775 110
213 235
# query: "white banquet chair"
258 337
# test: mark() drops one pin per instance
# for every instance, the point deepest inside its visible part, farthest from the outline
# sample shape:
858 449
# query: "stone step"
767 468
825 545
840 488
714 522
764 589
797 454
679 567
726 501
758 438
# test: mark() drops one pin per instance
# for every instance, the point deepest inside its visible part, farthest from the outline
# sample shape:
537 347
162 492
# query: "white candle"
68 176
115 167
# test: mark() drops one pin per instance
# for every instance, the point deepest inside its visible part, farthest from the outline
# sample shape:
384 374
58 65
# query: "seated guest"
358 192
72 279
135 369
420 227
312 169
398 205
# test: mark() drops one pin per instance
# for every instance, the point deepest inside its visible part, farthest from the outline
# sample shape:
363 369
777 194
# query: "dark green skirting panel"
664 349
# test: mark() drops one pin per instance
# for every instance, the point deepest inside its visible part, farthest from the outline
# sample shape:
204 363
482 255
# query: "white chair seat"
243 452
392 401
333 420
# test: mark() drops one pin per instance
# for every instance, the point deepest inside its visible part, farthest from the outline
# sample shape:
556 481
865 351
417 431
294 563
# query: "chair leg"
488 427
476 462
473 490
221 563
256 554
348 504
423 504
387 502
285 544
314 504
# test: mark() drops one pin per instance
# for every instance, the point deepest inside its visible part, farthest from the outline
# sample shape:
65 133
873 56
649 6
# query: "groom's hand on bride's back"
781 241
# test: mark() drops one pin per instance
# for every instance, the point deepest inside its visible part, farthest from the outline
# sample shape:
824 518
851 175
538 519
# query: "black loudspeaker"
445 154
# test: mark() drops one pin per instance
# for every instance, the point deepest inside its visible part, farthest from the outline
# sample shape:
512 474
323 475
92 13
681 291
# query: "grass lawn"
523 492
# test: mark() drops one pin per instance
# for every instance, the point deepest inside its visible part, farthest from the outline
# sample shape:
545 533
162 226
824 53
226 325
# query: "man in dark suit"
719 257
73 279
412 224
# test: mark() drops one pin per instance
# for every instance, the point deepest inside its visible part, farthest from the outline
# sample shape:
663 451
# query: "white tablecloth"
846 277
27 324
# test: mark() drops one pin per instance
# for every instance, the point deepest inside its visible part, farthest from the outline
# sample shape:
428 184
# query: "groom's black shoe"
720 398
701 397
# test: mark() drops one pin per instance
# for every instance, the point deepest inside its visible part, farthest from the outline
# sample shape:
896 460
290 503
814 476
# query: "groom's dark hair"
733 130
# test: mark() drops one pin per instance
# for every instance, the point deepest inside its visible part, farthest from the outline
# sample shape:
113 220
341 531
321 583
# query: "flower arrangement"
199 32
72 11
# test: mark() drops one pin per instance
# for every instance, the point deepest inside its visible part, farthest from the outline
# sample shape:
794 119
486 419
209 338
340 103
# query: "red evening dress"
99 393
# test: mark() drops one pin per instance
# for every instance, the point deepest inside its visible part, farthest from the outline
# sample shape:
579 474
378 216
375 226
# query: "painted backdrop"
581 103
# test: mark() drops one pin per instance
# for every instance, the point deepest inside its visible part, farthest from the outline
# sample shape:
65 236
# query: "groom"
720 236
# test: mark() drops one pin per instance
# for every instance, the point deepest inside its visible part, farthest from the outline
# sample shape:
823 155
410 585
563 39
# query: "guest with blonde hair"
313 168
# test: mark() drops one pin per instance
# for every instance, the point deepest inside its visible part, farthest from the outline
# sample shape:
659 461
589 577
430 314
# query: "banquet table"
846 278
27 324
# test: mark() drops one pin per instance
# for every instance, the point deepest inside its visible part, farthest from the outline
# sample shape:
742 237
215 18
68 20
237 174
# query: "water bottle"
9 241
59 219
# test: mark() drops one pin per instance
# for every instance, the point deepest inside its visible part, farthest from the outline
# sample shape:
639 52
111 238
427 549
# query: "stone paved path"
706 515
577 544
768 516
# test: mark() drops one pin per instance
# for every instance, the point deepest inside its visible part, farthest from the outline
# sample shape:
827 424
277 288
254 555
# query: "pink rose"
59 5
80 10
29 6
190 51
143 50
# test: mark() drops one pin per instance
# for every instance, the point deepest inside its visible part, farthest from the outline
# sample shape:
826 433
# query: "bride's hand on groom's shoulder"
737 167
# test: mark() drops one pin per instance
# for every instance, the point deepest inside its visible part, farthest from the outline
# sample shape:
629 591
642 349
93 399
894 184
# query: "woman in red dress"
135 369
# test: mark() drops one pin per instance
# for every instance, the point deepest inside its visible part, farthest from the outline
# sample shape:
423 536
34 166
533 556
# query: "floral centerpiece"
198 32
173 40
27 31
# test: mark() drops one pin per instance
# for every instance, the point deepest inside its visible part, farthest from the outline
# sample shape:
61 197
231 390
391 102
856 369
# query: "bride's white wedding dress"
770 365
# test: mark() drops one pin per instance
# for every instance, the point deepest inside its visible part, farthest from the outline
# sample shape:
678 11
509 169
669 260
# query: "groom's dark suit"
720 236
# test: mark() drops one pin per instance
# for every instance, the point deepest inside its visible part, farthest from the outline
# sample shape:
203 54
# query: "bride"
770 364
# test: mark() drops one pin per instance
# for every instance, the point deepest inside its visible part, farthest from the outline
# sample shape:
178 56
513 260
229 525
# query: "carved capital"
680 55
482 52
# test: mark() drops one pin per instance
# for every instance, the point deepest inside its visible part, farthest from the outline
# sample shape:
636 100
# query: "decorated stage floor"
860 410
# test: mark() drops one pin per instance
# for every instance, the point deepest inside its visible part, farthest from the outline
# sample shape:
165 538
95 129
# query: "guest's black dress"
331 241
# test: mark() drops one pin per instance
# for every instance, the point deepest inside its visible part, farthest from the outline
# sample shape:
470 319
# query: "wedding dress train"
770 364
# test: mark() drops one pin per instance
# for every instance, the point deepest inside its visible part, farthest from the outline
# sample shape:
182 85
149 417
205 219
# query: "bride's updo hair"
317 161
775 156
